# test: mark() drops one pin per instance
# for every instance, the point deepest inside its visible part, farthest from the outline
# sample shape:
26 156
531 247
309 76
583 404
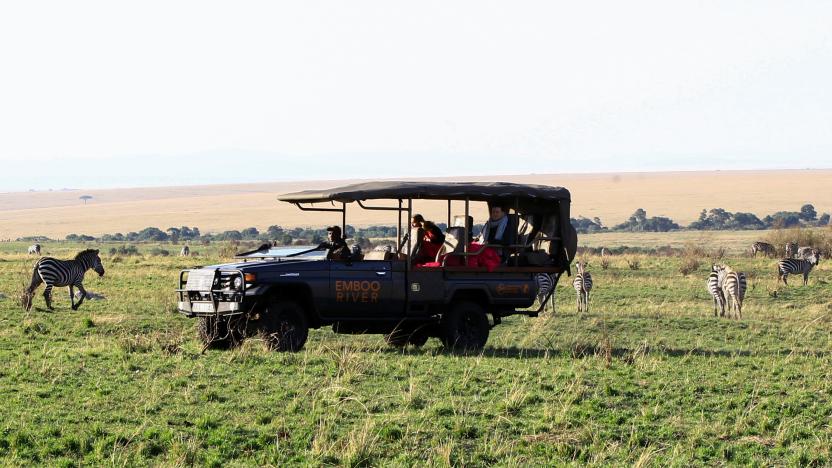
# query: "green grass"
648 377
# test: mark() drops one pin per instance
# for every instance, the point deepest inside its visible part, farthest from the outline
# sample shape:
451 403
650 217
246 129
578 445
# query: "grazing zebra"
732 290
185 252
794 266
583 285
34 249
545 284
743 285
715 288
61 273
763 247
791 249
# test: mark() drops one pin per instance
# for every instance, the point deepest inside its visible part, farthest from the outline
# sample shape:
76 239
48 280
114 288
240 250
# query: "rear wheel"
283 326
465 327
221 332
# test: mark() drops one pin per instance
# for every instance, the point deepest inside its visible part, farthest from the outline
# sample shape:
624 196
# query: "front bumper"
203 308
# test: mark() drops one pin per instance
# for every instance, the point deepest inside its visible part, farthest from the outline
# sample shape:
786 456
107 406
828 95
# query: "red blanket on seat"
488 258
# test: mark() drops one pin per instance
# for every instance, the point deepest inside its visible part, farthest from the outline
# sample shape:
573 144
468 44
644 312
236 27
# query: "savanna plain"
648 377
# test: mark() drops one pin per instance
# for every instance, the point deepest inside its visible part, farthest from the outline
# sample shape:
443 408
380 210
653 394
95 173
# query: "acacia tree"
85 198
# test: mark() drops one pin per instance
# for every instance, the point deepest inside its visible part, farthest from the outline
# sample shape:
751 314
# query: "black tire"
221 332
465 327
283 327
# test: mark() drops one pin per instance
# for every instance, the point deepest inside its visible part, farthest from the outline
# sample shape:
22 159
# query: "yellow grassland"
612 197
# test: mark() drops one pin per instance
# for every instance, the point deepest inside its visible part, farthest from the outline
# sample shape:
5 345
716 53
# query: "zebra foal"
734 291
54 272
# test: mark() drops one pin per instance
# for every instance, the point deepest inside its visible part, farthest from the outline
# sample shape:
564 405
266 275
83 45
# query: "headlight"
238 282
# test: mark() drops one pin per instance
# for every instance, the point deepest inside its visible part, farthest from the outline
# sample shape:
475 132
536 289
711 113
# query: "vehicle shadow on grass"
580 351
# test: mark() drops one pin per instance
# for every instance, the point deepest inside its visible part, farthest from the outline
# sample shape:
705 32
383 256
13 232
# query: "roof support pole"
467 227
399 227
344 220
409 240
449 213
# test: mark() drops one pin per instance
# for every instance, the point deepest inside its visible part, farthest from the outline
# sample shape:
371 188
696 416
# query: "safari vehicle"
280 295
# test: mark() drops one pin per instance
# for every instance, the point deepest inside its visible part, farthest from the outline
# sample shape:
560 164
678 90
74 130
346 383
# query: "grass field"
648 377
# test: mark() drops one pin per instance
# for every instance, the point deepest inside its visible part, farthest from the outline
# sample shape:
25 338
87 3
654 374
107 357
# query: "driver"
335 245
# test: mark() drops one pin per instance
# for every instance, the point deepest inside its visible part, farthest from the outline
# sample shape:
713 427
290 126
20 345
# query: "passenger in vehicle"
335 245
432 241
417 221
499 230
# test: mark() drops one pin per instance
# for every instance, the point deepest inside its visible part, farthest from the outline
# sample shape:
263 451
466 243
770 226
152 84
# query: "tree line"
715 219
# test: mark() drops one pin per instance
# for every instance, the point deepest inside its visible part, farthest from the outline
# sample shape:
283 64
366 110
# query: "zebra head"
89 259
815 258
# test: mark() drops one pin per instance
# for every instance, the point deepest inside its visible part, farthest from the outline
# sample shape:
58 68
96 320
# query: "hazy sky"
97 94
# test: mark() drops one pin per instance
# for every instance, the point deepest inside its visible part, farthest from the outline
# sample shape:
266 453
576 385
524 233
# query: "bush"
633 263
605 263
159 252
124 250
689 265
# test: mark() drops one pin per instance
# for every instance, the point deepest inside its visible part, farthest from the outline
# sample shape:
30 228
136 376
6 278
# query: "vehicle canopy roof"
477 191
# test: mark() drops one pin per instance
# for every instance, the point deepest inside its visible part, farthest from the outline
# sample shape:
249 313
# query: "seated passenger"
335 245
499 230
432 239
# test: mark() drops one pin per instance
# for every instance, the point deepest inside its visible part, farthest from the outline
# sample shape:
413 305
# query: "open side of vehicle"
278 294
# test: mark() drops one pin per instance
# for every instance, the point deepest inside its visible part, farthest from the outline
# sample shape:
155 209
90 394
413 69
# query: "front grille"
200 280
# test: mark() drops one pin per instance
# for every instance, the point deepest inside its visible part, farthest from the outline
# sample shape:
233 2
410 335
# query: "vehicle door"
360 289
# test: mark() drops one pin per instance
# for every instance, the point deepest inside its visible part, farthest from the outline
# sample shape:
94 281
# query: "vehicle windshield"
283 252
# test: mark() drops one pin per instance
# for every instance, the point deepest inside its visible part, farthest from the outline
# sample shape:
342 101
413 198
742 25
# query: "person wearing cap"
335 244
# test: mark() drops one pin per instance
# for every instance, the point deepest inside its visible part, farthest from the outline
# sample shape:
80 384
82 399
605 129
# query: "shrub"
689 265
605 263
124 250
159 252
633 263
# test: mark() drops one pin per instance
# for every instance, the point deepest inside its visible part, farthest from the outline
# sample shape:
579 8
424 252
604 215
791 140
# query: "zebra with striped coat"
546 289
733 290
715 289
185 252
34 249
54 272
795 266
791 249
806 253
763 247
583 285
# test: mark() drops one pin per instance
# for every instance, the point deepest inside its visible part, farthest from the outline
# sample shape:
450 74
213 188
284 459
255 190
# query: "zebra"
546 289
763 247
583 285
732 289
185 252
715 289
34 249
794 266
806 252
791 249
61 273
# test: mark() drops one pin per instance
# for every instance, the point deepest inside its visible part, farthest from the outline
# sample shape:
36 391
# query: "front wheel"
283 326
465 327
221 332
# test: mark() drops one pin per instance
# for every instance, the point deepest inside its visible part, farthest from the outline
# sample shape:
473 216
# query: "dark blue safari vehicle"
457 294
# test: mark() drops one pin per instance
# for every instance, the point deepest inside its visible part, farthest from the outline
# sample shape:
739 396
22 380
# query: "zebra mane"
86 253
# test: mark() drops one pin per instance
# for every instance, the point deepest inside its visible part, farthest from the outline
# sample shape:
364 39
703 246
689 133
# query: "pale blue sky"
103 94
